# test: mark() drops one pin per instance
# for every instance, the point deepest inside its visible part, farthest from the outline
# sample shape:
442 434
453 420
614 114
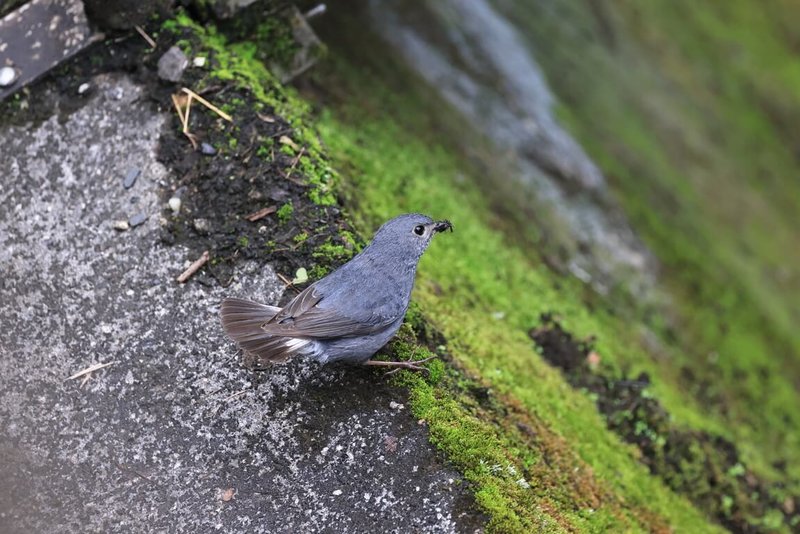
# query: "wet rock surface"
39 36
173 434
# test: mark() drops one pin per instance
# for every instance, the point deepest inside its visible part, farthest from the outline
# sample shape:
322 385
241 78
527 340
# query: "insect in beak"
441 226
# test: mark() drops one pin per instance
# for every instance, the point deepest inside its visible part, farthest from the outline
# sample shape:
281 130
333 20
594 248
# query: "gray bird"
346 316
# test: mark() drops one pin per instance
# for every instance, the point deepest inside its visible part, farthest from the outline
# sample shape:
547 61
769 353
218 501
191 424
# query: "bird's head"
407 236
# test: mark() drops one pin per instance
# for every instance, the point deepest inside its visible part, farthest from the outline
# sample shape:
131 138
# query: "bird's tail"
242 320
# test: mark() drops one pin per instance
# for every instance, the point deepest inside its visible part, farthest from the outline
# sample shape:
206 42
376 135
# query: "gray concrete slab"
152 442
39 36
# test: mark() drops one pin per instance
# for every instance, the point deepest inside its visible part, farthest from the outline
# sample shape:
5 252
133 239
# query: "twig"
86 379
177 105
247 154
279 133
260 214
186 115
284 279
90 369
144 35
288 282
132 470
207 104
234 395
192 139
296 160
193 268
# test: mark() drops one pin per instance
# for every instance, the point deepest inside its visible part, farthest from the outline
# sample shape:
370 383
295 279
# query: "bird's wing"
304 318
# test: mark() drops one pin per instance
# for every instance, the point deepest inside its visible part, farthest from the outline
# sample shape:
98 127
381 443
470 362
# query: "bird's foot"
410 365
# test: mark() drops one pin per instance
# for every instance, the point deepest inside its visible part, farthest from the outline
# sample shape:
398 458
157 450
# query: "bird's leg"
411 365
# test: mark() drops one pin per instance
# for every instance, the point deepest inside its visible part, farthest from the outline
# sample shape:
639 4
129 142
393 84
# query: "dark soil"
219 191
247 172
705 467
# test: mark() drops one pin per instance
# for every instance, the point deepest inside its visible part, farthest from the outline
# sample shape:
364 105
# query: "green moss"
284 213
185 45
300 238
243 241
333 253
287 149
172 26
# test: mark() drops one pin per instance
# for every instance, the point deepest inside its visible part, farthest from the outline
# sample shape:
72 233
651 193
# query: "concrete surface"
152 442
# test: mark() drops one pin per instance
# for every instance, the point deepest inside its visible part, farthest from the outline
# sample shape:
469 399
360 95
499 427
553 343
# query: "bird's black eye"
419 229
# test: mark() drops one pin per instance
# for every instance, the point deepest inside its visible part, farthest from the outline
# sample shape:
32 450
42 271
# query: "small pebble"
175 205
396 405
82 88
130 178
137 219
172 64
8 75
201 225
337 492
207 150
199 61
121 226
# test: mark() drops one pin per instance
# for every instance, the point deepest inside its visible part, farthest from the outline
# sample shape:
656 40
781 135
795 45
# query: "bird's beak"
441 226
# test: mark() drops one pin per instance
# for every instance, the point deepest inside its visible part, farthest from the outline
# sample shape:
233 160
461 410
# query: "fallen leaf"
266 118
285 140
301 276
